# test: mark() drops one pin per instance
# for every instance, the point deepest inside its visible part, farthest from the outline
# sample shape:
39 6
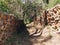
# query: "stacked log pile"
8 25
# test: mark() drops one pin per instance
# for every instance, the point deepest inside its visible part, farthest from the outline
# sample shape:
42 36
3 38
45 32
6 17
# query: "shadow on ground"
21 37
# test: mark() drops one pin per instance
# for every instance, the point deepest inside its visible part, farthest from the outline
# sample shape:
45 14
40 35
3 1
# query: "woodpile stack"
8 25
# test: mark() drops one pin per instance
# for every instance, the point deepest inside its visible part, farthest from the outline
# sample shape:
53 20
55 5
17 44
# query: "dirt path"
27 40
54 40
